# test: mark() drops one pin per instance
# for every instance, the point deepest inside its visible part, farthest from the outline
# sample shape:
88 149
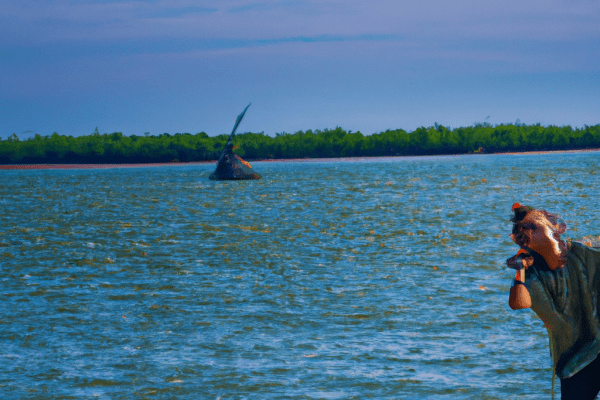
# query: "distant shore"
146 165
551 151
97 166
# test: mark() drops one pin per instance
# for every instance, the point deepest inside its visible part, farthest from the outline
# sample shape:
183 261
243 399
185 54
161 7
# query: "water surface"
325 280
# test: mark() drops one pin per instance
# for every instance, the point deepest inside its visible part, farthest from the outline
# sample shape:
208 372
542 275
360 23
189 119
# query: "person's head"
539 231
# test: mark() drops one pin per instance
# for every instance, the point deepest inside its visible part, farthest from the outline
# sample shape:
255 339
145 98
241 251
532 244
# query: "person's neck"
553 261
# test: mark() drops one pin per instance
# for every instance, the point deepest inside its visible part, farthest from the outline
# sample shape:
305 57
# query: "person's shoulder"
582 251
581 246
591 241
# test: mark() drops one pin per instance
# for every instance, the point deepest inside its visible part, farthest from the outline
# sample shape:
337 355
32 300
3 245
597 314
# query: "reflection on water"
334 280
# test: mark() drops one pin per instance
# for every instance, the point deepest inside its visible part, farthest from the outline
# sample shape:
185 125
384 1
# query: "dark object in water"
230 165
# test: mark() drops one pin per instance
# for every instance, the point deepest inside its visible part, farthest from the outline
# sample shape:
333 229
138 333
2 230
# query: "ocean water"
354 279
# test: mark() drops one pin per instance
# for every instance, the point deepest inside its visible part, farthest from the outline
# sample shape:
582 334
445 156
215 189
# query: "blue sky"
188 66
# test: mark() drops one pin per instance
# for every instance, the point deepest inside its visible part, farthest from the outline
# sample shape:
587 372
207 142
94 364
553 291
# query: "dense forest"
185 147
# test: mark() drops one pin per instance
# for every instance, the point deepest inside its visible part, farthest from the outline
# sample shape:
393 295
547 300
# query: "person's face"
544 239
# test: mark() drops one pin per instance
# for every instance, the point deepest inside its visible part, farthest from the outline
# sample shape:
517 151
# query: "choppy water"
325 280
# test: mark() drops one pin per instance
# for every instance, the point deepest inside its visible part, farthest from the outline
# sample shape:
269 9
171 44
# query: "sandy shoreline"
347 159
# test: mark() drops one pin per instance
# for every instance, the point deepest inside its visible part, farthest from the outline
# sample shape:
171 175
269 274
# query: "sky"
69 66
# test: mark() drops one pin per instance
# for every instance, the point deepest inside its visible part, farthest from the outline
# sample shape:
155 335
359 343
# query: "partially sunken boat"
230 165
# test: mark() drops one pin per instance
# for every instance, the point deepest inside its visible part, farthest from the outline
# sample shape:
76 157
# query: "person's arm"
519 295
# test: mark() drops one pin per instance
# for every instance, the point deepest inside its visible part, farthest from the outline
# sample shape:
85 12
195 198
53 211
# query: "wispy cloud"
327 38
177 45
267 6
177 12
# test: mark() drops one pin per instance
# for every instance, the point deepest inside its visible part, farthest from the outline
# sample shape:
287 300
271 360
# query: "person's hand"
527 261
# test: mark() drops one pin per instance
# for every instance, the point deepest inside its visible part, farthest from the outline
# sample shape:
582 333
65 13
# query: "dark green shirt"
567 302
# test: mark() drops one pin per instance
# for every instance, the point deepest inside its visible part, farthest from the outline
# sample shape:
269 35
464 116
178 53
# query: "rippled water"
325 280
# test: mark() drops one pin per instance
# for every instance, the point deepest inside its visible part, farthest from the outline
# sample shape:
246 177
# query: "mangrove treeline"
185 147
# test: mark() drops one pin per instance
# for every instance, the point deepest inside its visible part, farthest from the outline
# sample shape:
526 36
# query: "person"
559 281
